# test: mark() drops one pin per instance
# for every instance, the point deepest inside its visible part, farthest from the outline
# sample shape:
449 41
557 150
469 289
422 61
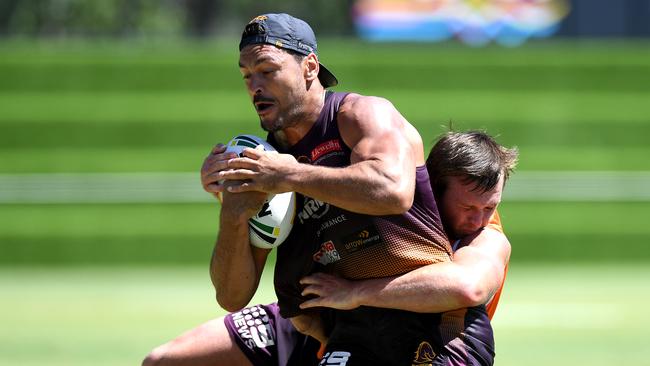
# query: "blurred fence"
124 18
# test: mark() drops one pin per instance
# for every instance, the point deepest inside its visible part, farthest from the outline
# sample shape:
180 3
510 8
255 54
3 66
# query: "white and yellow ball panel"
272 225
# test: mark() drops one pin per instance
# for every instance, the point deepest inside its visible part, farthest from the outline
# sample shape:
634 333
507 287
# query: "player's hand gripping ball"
272 224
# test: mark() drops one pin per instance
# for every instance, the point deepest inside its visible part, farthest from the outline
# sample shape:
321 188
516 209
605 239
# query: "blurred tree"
128 16
7 8
201 16
604 18
325 16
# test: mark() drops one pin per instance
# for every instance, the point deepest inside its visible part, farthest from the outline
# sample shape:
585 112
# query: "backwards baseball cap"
285 31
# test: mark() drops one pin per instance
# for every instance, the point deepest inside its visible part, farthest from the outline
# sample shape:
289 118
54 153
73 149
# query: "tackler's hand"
330 291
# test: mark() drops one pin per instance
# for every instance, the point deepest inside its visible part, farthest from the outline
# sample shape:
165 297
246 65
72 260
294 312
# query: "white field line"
186 188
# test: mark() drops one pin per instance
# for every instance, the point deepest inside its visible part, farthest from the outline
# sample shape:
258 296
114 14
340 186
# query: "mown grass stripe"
184 187
603 134
434 106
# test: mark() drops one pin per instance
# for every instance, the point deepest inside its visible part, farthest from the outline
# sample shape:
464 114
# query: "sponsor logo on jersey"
363 239
325 149
327 253
313 209
335 359
424 355
331 223
253 327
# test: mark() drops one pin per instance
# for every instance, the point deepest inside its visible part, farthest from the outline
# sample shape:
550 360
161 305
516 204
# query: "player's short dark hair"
297 56
473 155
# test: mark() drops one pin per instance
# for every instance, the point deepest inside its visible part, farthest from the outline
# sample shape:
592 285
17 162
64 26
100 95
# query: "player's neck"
314 102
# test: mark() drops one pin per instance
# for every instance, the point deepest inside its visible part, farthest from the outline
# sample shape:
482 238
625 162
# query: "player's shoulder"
364 110
491 243
495 233
495 222
487 237
354 102
497 241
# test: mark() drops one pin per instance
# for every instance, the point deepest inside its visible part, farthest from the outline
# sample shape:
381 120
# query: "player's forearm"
430 289
233 271
363 187
471 279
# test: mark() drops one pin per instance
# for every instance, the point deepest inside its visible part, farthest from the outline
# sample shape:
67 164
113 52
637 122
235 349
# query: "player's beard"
279 123
286 117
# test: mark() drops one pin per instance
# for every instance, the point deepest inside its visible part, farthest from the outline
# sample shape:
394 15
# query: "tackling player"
468 173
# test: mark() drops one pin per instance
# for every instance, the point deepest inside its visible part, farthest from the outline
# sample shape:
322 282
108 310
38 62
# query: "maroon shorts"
387 337
268 339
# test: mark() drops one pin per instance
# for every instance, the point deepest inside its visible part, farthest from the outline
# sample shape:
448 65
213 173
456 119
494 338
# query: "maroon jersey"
353 245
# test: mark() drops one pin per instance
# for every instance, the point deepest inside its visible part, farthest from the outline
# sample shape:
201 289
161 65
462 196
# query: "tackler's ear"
312 67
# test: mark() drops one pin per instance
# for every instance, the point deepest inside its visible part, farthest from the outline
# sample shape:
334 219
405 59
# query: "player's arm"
236 266
385 151
471 279
379 181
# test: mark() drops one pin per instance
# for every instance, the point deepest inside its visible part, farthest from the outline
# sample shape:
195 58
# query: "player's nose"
485 220
475 221
254 86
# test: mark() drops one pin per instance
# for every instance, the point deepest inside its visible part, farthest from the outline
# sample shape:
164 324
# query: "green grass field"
558 315
102 284
569 232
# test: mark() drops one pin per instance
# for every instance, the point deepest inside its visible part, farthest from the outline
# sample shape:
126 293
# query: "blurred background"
107 109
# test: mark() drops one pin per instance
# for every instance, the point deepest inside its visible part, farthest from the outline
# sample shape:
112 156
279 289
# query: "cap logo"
278 43
253 29
258 18
305 47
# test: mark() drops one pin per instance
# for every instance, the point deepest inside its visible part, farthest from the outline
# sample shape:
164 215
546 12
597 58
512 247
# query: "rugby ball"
272 224
238 143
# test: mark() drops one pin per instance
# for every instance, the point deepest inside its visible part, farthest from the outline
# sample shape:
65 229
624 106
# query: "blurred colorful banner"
474 22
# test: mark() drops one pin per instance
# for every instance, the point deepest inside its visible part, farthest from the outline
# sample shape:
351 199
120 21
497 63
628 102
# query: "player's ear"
311 67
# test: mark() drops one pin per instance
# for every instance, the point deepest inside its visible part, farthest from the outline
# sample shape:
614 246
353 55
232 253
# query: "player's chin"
467 231
270 127
270 123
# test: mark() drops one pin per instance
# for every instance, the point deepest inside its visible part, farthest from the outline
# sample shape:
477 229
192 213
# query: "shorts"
374 336
267 339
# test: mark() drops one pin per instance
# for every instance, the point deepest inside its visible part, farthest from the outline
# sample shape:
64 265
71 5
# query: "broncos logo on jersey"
424 355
